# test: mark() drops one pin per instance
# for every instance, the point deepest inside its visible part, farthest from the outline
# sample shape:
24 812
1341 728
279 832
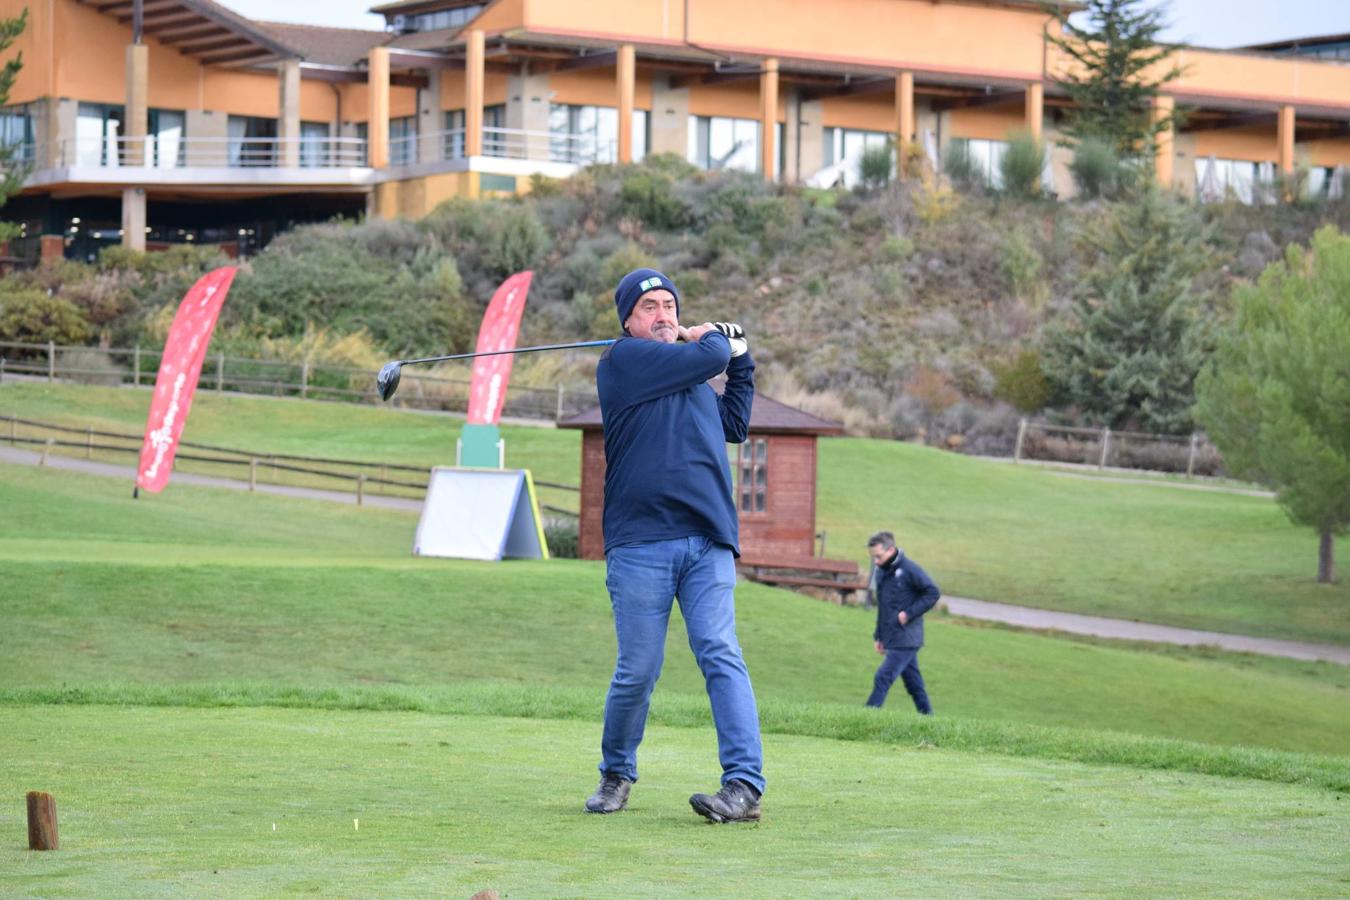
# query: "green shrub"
648 195
1096 169
877 165
1021 382
1022 165
960 168
89 366
516 240
561 534
31 315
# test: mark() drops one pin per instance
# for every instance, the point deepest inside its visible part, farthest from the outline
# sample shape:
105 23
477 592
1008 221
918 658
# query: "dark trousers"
905 665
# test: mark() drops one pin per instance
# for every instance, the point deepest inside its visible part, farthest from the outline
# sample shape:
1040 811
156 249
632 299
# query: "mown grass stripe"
681 710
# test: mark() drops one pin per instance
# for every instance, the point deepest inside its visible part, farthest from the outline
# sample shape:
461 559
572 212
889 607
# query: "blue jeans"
905 664
643 579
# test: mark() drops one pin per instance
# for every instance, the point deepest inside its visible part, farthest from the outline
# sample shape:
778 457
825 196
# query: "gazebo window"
752 459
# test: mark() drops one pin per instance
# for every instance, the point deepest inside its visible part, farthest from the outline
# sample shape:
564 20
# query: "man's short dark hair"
882 539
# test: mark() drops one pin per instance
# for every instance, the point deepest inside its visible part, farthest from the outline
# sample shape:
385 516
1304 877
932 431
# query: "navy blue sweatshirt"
666 431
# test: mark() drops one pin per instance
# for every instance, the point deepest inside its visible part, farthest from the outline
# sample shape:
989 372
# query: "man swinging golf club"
671 533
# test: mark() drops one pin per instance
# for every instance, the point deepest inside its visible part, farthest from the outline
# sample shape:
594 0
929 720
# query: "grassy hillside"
989 530
198 586
253 695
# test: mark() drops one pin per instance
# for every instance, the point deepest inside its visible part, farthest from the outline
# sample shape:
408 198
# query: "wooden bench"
839 575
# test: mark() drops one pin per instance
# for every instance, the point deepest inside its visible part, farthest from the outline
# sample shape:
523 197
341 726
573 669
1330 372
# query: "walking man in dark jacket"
904 594
671 533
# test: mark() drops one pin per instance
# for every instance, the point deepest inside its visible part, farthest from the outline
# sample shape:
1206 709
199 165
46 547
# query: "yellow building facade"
148 122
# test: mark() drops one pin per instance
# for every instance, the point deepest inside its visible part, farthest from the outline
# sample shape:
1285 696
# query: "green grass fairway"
173 801
204 586
994 531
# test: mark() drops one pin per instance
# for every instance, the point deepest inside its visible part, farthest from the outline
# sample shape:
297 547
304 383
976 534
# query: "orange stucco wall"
598 87
996 41
989 123
1252 77
38 75
1255 144
870 113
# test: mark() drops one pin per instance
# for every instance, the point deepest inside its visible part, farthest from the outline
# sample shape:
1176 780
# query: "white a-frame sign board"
481 514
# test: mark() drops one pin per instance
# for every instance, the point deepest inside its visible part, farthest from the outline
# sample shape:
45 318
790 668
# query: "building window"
165 133
431 21
16 133
590 134
1239 179
251 141
717 143
986 161
453 144
845 147
98 126
752 461
315 148
403 141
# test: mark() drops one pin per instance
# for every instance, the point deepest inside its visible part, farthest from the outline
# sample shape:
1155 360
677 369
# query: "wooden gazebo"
775 484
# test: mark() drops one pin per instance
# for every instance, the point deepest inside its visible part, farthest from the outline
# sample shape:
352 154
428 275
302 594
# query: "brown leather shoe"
735 802
610 796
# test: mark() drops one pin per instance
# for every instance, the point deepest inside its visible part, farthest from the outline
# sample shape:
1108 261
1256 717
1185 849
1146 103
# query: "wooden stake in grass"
42 821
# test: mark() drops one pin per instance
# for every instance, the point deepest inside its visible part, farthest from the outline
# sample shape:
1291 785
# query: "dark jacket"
666 433
902 585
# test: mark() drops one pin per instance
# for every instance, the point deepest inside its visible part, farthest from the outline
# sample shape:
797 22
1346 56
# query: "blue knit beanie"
636 283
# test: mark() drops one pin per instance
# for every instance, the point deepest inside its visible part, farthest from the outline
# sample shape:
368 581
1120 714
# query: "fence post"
136 365
558 415
304 379
220 373
89 443
46 449
1190 459
1106 446
252 473
1021 433
12 421
51 360
361 489
2 368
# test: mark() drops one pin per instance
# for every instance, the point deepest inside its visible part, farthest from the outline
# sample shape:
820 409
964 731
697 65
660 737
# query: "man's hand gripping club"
735 334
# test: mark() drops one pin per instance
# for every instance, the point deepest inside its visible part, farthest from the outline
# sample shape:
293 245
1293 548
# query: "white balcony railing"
162 152
503 143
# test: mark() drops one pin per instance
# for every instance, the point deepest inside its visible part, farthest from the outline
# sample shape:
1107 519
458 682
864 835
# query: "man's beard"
666 333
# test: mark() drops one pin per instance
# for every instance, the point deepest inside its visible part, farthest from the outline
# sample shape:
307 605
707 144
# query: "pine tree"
1108 78
1128 353
12 173
1275 397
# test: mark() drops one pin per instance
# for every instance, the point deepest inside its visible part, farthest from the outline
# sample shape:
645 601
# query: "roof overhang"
200 29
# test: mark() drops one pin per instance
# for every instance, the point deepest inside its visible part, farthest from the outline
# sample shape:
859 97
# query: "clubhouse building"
152 122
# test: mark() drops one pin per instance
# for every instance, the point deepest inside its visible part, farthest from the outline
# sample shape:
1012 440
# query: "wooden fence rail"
357 473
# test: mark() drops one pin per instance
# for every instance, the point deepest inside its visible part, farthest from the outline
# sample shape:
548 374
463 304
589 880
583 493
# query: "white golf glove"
735 334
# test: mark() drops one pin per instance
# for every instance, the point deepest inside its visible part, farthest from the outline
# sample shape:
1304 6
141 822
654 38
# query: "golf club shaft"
430 359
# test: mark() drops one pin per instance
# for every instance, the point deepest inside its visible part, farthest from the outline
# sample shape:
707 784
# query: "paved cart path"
1019 616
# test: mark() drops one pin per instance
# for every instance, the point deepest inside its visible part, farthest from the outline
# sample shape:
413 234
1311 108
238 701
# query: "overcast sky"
1209 23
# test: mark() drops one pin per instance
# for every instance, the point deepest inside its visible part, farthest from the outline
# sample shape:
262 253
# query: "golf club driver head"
387 381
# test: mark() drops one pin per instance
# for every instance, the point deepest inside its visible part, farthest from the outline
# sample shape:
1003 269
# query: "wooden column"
474 54
288 109
626 72
377 126
137 111
904 121
1286 139
1035 111
1164 153
768 117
